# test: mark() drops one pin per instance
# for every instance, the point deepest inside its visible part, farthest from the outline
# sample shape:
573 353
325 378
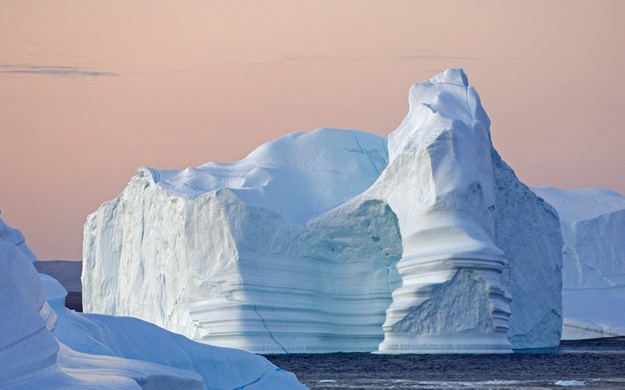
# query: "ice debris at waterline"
572 383
593 270
46 346
314 243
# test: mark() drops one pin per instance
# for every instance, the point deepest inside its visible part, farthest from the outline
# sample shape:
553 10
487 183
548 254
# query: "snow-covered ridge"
299 176
303 245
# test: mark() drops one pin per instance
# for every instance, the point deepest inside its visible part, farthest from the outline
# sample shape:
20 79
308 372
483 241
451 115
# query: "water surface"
596 364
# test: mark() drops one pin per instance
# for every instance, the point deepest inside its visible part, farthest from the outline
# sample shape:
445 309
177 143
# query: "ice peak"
451 76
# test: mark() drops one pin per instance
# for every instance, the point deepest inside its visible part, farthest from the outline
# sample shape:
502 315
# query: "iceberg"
593 230
339 240
45 345
481 253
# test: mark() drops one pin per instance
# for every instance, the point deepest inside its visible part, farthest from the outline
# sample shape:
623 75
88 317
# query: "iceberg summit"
340 240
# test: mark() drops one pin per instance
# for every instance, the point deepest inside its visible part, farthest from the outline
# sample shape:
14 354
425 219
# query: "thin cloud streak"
57 71
20 43
415 57
352 59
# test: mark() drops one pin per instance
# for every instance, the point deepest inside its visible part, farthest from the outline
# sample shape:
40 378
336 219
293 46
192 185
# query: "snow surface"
44 345
299 176
593 230
303 245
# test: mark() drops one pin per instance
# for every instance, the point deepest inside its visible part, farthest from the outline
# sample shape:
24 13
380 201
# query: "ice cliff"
44 345
313 244
593 272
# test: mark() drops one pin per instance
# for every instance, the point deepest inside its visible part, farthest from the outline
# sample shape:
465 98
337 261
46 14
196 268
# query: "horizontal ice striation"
128 338
440 184
321 288
255 254
460 209
593 230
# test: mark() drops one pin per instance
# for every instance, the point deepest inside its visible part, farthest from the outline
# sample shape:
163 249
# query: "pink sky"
90 91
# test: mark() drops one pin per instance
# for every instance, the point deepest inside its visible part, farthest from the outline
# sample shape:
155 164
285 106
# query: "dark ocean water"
574 365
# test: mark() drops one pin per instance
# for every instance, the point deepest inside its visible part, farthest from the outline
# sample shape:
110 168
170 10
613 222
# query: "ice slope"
131 338
481 257
32 358
105 352
593 230
242 266
296 247
15 237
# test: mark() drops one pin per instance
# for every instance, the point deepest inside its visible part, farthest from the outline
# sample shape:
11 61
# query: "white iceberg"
593 272
102 352
481 253
297 247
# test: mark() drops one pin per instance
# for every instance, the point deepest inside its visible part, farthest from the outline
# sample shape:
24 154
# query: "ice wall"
593 230
528 231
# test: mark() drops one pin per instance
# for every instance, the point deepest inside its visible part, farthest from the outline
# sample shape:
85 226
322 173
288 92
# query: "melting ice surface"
313 243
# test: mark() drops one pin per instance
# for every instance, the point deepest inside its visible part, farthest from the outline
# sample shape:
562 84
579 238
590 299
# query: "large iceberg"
313 244
45 345
593 272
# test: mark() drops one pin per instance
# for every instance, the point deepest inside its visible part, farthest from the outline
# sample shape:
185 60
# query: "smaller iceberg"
572 383
593 230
